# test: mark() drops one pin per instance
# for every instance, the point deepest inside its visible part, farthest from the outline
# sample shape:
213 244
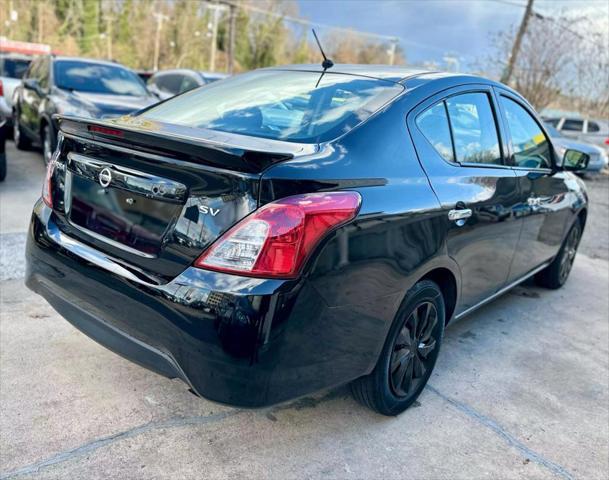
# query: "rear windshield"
13 67
280 105
97 78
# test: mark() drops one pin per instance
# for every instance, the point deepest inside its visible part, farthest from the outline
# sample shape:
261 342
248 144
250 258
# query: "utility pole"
507 73
231 38
391 51
157 38
109 36
40 21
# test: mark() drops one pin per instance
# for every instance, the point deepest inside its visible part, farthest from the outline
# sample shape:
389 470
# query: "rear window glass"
14 67
280 105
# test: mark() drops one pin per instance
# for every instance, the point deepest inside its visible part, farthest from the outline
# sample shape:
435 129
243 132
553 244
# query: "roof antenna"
327 63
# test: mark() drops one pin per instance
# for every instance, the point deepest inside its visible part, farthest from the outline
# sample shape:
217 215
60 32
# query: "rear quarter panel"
363 270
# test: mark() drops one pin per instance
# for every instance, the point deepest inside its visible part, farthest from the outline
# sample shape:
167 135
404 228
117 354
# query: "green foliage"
90 25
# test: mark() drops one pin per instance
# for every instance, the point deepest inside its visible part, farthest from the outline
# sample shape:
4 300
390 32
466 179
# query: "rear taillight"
1 89
47 186
606 141
275 241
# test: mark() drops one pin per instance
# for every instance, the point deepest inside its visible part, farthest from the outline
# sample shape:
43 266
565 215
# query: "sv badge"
204 209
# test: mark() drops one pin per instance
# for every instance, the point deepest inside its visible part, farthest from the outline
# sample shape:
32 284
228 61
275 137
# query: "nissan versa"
293 229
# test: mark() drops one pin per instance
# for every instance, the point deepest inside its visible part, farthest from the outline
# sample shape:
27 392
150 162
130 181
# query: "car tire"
22 142
47 140
556 274
2 166
409 354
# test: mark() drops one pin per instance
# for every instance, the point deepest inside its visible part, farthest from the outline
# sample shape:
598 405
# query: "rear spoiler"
208 147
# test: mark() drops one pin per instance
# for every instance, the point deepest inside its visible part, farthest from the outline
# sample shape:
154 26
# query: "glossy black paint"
255 342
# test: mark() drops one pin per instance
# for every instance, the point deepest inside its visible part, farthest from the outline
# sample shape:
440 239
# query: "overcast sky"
429 29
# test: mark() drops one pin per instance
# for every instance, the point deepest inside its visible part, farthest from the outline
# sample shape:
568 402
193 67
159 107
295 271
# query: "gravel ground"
521 390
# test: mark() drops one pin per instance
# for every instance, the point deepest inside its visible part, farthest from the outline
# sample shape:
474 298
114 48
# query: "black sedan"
72 86
293 229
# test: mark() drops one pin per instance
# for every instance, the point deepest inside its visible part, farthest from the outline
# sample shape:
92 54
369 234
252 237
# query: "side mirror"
31 84
574 160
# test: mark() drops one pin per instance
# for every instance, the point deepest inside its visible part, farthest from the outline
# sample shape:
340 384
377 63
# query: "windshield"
14 67
281 105
97 78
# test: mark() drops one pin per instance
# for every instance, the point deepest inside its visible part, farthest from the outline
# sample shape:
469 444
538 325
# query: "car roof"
60 58
410 77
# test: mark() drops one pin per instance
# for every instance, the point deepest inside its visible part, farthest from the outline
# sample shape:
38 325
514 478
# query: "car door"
458 141
546 201
28 99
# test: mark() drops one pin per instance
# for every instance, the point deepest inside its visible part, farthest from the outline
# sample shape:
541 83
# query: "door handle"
459 214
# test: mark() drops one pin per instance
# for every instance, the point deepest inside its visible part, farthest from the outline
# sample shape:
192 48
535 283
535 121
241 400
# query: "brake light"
1 89
105 130
275 240
606 141
47 186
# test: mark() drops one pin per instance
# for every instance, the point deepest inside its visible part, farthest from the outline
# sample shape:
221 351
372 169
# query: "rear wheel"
19 137
555 275
409 354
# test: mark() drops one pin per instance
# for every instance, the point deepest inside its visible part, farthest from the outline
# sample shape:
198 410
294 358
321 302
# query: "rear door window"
473 128
593 127
531 148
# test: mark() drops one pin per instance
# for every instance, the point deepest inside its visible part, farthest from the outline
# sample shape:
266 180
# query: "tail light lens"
606 141
275 240
47 186
1 89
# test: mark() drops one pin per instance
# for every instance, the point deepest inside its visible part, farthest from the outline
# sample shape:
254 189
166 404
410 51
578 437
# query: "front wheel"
19 137
409 354
555 275
2 166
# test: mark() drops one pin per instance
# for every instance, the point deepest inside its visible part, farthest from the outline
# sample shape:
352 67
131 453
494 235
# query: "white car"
585 130
599 158
12 69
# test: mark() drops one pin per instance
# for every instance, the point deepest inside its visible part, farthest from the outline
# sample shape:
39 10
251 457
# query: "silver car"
167 83
599 158
582 129
12 69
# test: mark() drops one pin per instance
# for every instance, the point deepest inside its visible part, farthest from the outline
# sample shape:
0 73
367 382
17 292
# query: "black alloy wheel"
410 358
409 354
556 274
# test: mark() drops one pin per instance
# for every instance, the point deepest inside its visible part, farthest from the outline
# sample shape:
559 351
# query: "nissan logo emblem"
105 177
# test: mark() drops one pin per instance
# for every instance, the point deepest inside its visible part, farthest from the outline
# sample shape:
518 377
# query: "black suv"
72 86
292 229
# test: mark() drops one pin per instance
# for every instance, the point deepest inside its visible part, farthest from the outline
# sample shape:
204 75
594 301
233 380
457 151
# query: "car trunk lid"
153 197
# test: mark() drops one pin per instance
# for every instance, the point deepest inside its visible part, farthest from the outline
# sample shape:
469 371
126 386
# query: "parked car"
260 261
582 129
599 157
167 83
72 86
3 130
12 68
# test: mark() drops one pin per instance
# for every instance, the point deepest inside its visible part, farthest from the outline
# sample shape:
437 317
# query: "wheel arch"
447 281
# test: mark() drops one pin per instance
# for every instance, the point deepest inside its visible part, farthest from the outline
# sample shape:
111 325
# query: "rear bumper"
235 340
